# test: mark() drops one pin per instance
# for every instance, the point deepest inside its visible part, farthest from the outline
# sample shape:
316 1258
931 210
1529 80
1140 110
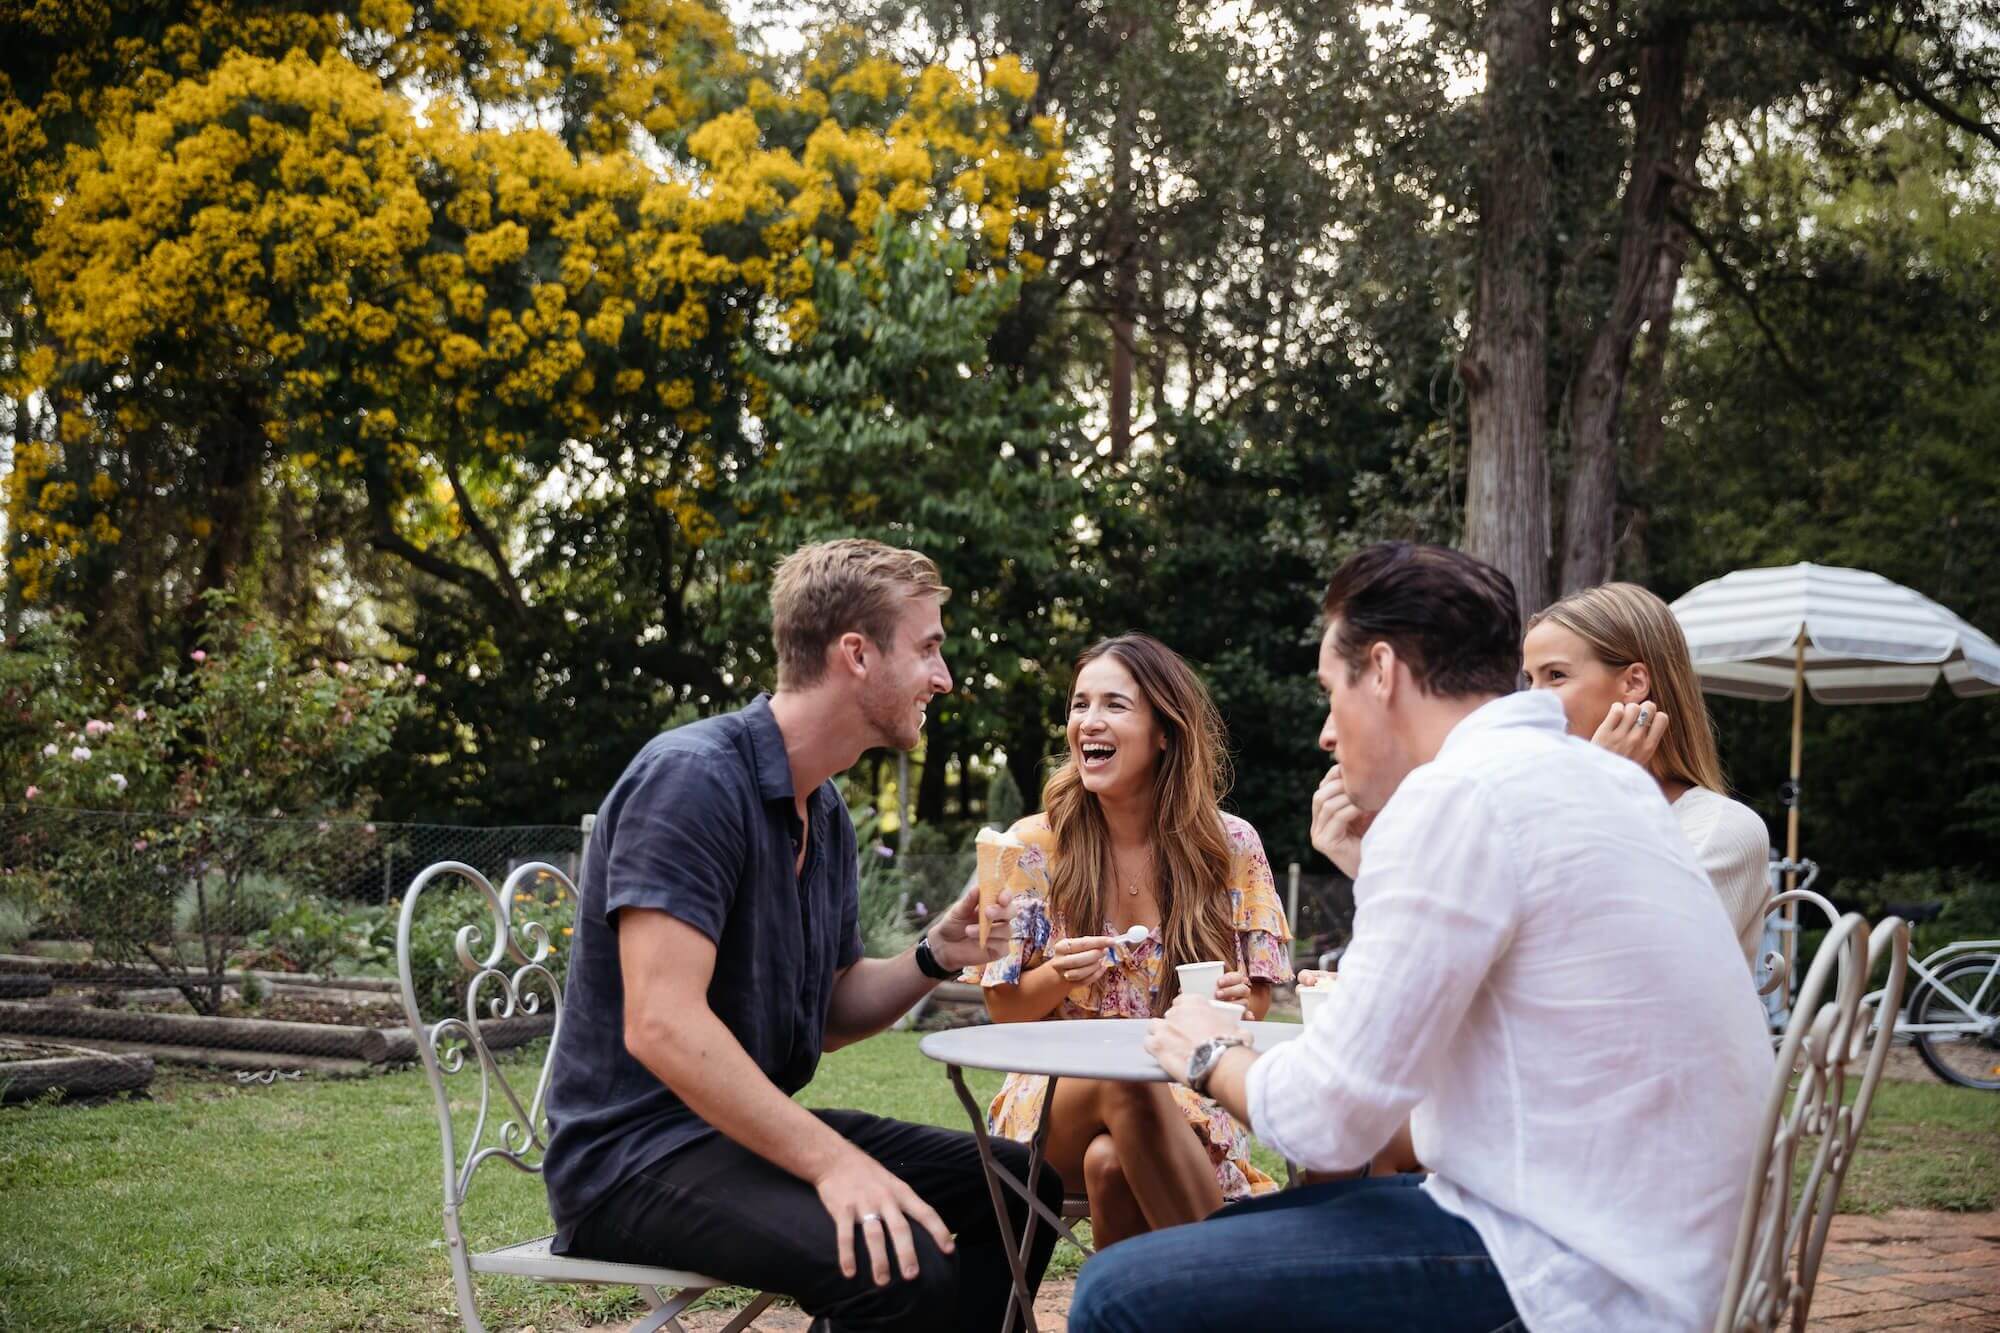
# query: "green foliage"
312 934
936 863
448 908
247 730
890 421
18 921
255 901
1835 405
1003 799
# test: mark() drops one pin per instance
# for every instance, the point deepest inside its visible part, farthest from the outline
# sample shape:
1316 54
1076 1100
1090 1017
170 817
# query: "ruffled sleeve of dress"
1263 936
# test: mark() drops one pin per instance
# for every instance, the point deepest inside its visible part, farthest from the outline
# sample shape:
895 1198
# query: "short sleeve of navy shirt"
704 827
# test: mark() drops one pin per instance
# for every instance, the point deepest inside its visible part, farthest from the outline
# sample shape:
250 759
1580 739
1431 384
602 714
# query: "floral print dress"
1132 982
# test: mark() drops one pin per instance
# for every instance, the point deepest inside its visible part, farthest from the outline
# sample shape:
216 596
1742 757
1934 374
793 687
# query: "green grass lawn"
315 1205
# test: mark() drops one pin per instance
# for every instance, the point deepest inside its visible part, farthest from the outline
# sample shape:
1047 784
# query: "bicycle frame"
1974 1022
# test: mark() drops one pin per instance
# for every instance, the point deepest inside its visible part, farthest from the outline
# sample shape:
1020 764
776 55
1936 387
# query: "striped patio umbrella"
1849 636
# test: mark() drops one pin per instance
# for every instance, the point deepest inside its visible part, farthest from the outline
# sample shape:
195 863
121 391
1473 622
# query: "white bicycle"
1952 1016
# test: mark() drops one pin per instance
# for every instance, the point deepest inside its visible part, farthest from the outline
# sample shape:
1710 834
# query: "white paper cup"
1311 1000
1199 978
1230 1007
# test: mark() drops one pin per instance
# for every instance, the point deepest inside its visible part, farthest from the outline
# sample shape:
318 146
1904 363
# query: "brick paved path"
1910 1270
1904 1270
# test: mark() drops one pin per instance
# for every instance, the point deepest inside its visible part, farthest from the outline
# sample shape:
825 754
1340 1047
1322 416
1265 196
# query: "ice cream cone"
998 854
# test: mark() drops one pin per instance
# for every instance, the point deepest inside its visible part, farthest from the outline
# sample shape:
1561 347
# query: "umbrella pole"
1798 753
1791 932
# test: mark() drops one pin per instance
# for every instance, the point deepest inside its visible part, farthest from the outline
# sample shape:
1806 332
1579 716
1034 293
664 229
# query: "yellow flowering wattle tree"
454 296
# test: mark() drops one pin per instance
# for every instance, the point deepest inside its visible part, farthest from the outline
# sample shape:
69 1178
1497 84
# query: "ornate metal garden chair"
506 963
1808 1118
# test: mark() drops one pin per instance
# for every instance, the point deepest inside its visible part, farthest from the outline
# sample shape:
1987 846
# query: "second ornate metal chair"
1809 1118
506 963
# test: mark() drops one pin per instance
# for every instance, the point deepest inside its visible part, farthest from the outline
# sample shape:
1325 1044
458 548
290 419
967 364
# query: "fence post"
586 824
1292 897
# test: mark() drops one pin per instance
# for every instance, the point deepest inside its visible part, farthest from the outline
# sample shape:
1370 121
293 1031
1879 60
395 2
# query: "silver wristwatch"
1206 1057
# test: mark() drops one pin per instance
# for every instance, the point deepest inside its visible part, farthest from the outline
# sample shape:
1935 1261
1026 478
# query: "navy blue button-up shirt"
703 826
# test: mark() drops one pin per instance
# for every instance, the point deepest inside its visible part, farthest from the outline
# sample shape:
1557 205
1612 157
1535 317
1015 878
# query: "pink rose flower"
198 656
33 792
138 715
419 680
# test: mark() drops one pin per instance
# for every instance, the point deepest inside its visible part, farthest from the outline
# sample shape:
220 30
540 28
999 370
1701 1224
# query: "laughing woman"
1131 834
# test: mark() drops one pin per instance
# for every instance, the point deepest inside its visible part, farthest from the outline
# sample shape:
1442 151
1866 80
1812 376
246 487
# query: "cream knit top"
1731 843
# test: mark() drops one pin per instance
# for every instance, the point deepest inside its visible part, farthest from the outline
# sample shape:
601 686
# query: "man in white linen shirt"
1540 980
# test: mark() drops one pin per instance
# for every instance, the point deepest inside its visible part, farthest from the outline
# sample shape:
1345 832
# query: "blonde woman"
1617 657
1131 834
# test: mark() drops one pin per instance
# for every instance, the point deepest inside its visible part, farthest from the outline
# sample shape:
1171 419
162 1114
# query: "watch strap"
928 964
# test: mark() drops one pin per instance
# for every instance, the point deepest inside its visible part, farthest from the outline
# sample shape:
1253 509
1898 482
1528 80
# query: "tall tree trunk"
1505 367
1590 517
1122 250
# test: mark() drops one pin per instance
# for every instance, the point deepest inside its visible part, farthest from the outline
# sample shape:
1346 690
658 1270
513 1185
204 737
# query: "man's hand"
955 938
859 1191
1191 1021
1338 823
1633 730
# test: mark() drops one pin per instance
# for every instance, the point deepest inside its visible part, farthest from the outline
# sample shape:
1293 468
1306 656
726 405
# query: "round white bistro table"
1100 1048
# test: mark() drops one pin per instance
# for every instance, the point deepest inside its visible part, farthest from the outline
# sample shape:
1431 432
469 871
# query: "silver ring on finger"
1645 716
871 1217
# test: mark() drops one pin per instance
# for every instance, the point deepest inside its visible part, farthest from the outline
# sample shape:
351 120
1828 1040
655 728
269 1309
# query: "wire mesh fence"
192 901
133 920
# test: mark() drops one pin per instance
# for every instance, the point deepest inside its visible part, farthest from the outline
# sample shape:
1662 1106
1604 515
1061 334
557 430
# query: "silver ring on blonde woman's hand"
1645 716
871 1217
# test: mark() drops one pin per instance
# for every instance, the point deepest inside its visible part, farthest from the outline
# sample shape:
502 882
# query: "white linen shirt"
1545 983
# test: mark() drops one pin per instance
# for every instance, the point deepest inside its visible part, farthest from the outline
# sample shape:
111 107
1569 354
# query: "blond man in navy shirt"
718 954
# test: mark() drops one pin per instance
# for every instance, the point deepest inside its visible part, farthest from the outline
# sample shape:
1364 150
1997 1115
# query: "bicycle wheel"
1969 1059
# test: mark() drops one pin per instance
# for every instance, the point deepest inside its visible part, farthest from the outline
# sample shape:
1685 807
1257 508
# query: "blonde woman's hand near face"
1633 730
1338 823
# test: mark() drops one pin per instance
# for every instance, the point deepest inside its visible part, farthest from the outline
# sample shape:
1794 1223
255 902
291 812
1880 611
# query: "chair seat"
533 1258
1075 1206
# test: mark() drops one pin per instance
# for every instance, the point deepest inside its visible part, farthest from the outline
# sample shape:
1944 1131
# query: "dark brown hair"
1453 620
1191 848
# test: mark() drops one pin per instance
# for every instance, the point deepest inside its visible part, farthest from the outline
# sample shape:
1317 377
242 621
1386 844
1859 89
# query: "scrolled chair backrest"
505 968
1781 1237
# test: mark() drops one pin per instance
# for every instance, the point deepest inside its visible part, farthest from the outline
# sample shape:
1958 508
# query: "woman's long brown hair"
1191 848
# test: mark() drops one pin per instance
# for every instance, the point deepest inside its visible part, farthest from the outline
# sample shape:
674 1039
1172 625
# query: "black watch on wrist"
928 964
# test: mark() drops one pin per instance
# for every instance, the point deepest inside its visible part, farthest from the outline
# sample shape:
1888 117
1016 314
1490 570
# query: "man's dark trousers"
716 1208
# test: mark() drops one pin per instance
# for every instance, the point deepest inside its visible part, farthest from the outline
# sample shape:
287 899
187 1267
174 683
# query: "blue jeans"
1352 1255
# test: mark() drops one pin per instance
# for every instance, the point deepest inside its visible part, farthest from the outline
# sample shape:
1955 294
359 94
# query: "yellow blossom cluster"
390 294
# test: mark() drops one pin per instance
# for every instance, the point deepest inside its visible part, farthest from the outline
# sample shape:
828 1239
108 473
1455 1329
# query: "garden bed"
33 1070
294 1029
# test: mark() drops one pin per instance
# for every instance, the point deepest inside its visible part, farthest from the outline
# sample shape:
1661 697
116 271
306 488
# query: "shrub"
242 731
313 934
17 923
